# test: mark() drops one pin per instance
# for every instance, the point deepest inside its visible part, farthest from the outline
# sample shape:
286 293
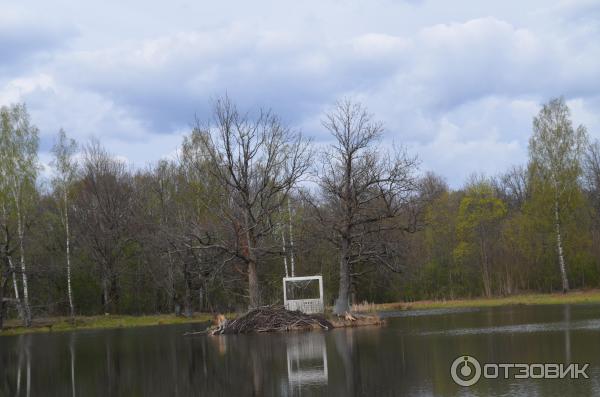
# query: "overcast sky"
456 82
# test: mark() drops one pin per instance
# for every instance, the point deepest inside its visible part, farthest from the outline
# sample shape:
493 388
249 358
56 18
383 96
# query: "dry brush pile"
272 319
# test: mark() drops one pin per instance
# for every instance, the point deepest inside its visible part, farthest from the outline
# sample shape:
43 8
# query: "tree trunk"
105 295
201 298
485 271
2 302
187 300
68 246
2 306
487 288
114 293
253 291
291 239
171 289
285 265
509 280
342 304
26 308
559 247
11 268
16 289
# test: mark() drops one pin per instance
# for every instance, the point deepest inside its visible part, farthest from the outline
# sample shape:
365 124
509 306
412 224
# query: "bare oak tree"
256 161
365 192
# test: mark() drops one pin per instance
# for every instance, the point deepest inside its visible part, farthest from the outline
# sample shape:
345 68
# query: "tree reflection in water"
411 355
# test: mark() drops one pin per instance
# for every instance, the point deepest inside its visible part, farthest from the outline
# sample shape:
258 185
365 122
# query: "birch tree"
364 190
7 271
19 145
555 152
65 169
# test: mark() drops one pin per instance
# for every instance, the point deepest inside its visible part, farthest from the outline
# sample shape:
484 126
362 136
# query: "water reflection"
72 337
409 356
344 343
306 359
24 363
567 321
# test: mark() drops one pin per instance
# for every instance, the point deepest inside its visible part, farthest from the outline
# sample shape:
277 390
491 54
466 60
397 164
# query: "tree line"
246 197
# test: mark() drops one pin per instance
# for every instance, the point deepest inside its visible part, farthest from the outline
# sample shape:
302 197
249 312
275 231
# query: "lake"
410 355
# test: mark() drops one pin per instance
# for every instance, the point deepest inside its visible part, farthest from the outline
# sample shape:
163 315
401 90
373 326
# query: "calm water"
411 355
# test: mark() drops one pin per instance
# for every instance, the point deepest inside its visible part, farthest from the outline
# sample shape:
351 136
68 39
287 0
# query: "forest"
249 200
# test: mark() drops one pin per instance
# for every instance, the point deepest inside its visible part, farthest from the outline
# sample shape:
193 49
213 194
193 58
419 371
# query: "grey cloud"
26 43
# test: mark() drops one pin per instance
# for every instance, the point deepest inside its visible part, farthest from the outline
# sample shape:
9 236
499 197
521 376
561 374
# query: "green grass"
573 297
59 324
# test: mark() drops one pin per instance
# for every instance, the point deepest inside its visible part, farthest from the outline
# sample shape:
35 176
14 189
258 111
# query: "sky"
457 83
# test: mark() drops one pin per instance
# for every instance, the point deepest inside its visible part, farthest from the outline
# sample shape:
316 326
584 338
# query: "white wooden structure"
314 305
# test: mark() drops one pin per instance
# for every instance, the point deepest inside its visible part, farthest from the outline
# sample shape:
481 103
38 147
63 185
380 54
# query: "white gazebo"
305 305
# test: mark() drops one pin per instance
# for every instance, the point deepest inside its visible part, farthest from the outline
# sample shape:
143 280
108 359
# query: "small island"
279 319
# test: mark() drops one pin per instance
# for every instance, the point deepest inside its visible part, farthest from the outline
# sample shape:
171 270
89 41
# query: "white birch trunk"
561 258
68 247
14 276
285 264
292 261
21 233
16 288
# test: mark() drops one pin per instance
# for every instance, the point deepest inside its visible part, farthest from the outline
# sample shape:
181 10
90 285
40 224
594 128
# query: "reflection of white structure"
314 305
307 359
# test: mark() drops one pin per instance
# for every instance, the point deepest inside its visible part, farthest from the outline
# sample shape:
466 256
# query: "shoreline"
63 324
572 297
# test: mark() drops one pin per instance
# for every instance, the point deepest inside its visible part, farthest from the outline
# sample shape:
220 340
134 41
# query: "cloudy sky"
456 82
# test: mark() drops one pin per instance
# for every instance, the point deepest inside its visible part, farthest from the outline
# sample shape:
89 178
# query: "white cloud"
457 84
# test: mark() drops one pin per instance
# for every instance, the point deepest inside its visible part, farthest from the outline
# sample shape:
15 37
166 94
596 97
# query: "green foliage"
163 229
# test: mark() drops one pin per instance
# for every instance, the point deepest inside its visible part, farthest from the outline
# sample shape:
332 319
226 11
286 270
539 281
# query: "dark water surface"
411 355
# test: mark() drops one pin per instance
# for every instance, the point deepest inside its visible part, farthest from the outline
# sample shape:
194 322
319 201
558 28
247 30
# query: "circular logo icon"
465 371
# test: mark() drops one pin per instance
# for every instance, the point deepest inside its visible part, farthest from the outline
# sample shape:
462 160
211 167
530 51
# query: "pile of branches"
271 319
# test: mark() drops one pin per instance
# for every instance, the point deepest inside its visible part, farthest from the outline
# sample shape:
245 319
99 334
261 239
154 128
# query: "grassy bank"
573 297
58 324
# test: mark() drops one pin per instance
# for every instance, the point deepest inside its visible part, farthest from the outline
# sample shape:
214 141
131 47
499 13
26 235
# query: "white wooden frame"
304 305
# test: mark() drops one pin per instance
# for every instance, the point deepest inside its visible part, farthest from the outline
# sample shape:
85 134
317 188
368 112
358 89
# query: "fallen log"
271 319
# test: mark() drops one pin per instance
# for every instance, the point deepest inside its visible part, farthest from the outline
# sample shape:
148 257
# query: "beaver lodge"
278 319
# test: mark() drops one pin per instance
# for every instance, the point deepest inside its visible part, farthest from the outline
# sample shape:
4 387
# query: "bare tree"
591 168
104 212
365 192
256 161
513 187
